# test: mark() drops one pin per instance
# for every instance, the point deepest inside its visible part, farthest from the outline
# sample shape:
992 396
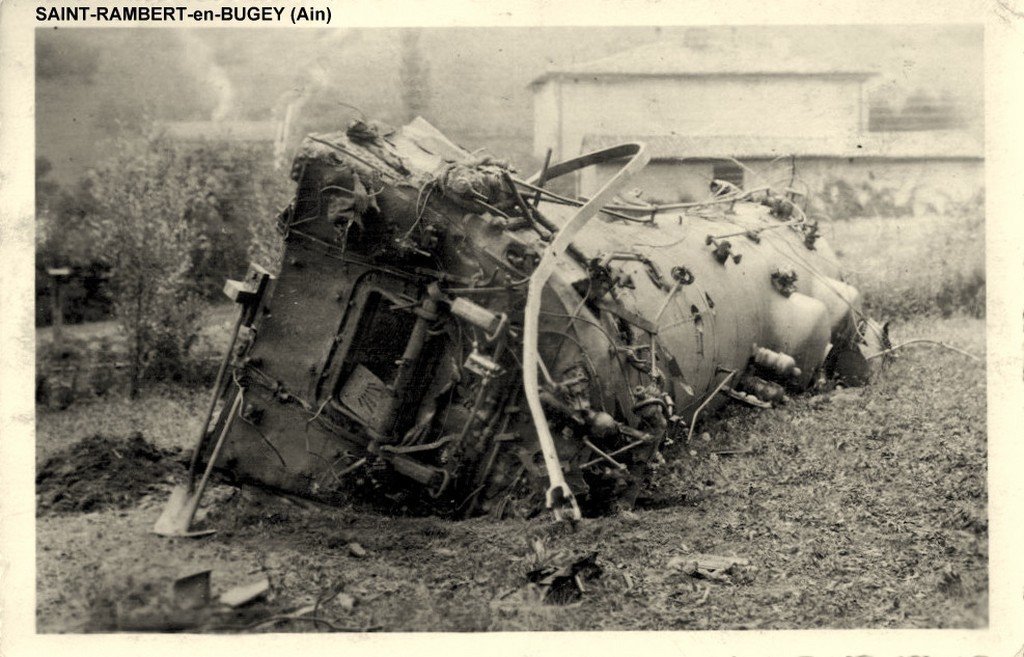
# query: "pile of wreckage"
448 334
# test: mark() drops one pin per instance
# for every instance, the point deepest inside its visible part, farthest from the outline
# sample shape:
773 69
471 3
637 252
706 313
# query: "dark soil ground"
99 473
858 508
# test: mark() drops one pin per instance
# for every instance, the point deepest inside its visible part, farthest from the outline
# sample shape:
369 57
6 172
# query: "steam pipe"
559 496
411 355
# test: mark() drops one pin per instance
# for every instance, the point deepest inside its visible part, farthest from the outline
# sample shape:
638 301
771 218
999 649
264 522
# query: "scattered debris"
566 583
297 616
704 596
243 595
192 591
708 566
345 601
936 343
239 609
846 394
419 572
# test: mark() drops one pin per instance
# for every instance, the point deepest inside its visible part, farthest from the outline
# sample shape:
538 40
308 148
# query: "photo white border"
1004 100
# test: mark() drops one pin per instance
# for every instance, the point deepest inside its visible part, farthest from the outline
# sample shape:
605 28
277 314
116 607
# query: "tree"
151 202
62 240
244 194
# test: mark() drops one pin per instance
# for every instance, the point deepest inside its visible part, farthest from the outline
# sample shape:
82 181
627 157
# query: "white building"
783 114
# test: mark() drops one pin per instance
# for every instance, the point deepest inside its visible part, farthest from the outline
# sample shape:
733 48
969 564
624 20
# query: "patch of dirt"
101 472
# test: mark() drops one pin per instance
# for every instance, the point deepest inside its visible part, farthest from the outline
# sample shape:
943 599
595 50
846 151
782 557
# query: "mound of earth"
100 472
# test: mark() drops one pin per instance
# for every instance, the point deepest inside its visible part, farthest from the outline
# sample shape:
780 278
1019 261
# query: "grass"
860 508
168 417
913 266
91 362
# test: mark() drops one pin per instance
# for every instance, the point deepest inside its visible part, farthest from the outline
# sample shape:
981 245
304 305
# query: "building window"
730 172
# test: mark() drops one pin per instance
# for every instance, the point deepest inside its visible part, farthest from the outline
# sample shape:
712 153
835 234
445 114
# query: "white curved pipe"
559 495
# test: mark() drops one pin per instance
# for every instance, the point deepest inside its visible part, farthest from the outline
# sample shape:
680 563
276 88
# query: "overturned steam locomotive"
447 335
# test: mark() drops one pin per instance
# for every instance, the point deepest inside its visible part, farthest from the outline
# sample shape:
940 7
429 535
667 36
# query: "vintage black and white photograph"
492 329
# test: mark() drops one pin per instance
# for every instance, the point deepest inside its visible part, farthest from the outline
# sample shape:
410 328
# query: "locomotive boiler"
447 336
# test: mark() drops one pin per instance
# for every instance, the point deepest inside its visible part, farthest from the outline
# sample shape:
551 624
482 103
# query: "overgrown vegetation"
156 229
150 204
73 369
62 241
914 266
840 199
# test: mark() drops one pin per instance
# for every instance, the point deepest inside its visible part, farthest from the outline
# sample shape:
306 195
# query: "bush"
236 198
85 296
171 221
840 199
242 197
150 204
63 240
76 369
57 372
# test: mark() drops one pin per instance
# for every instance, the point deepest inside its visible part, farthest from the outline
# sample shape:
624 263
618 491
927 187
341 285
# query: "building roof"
892 145
676 59
259 131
